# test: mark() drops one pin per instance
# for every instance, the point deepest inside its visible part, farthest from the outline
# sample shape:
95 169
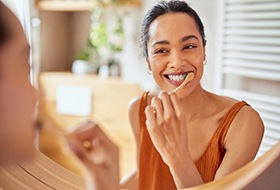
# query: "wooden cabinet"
110 99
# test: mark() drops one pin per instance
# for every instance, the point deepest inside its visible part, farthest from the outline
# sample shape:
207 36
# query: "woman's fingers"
84 130
77 148
151 113
158 108
168 107
167 128
165 107
83 133
91 144
90 134
100 157
176 104
166 102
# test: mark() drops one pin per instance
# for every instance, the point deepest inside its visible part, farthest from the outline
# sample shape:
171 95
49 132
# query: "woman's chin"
31 155
15 159
183 94
26 154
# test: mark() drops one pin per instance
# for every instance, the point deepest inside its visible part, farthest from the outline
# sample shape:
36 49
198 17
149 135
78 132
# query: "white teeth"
178 78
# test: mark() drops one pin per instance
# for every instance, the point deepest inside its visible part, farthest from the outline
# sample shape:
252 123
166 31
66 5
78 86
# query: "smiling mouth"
177 78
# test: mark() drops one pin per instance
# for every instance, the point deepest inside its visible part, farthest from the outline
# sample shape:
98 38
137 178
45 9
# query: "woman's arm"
167 128
242 141
130 180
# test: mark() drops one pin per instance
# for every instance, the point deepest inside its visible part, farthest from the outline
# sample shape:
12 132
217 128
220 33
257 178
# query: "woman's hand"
98 154
166 125
167 128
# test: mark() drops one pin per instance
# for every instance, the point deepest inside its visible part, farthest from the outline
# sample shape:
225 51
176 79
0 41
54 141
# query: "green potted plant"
104 42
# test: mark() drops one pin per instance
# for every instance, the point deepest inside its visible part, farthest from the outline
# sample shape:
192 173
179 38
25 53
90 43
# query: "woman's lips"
176 78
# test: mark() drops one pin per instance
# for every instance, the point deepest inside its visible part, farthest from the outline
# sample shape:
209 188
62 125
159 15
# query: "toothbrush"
188 78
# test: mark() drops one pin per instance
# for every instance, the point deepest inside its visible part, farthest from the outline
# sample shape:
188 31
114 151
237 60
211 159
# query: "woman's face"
175 48
17 96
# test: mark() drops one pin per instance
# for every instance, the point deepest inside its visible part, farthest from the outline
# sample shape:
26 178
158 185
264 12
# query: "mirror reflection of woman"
183 140
196 136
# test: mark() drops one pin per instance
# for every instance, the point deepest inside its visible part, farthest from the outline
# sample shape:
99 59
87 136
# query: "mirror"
105 96
254 78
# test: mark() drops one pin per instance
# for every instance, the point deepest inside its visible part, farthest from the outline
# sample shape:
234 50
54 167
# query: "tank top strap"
143 105
227 120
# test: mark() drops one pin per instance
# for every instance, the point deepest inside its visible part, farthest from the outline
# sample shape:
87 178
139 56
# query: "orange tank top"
154 174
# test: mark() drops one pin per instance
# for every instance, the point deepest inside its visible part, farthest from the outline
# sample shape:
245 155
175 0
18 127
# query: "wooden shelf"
77 5
69 5
136 3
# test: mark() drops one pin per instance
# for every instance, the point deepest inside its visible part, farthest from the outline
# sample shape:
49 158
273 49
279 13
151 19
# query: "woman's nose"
177 60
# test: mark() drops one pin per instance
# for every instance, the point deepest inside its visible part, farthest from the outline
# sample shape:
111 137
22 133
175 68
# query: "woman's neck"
198 103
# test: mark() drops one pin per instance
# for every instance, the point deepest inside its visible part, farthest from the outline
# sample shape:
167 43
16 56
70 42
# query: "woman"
17 96
196 136
17 121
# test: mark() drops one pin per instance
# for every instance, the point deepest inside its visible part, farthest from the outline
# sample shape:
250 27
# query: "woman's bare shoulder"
134 104
247 127
242 139
249 116
221 104
246 116
133 112
224 101
246 112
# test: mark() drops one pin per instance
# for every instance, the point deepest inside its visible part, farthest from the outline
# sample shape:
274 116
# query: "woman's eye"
190 47
160 51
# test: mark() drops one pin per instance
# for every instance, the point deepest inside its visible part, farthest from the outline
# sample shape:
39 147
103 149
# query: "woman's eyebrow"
162 42
185 38
189 37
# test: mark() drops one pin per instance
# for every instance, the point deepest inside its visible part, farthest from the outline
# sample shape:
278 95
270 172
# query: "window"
249 59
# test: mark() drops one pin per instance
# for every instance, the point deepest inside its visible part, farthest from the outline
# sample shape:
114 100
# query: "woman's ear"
148 64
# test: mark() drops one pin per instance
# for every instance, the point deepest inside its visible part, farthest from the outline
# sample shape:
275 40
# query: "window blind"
249 59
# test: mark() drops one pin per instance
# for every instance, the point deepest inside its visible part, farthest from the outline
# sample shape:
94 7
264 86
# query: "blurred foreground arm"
98 154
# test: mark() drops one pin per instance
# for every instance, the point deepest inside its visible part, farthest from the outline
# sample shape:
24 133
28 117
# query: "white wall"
208 12
134 66
21 9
